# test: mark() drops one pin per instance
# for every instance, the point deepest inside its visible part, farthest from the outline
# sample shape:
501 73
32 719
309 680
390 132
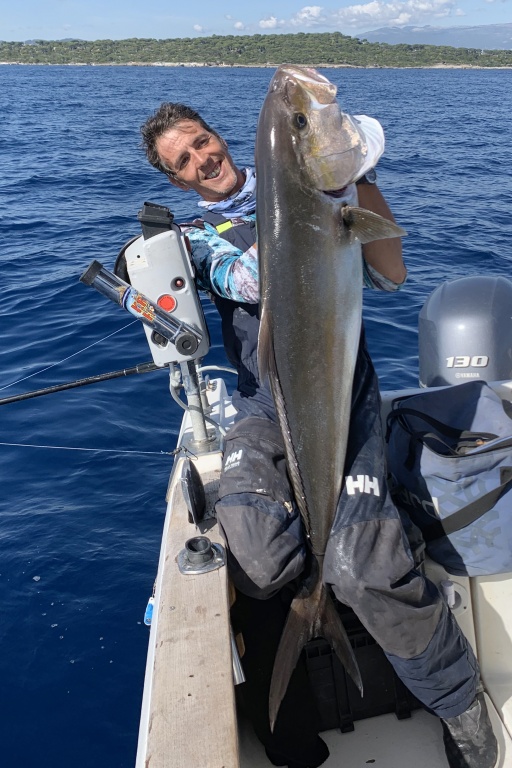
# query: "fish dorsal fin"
367 226
267 366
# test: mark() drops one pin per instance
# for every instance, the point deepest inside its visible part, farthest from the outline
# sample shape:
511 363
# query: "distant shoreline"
237 66
329 50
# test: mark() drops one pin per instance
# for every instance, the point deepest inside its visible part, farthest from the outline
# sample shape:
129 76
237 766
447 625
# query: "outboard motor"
465 332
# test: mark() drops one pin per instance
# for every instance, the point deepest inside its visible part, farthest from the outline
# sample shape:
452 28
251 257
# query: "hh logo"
363 484
233 460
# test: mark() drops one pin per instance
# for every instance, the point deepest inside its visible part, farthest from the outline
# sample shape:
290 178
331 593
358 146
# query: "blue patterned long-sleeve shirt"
222 268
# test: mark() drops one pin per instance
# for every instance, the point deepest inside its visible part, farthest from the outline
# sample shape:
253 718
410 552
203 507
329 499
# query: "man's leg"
371 569
266 553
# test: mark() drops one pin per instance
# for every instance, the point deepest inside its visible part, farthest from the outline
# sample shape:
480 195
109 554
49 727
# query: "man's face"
199 161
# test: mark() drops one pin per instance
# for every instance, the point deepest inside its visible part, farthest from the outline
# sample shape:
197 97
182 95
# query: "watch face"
371 176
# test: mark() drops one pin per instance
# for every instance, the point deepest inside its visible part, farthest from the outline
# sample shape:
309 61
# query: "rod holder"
200 555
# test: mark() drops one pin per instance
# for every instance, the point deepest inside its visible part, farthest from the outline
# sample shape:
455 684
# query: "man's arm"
385 256
221 267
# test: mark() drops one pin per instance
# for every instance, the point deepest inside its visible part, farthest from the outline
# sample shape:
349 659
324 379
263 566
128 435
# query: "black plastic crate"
338 700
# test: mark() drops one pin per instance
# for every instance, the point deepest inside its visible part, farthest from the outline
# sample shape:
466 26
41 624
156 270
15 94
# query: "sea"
84 471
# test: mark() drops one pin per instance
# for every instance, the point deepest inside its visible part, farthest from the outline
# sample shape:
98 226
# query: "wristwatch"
370 177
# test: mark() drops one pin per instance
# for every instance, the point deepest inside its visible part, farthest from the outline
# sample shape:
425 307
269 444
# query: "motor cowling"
465 332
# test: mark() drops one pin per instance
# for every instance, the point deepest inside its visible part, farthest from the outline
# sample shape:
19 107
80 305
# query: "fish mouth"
319 89
336 193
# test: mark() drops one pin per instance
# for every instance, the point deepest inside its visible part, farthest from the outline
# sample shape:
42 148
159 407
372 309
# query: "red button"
167 302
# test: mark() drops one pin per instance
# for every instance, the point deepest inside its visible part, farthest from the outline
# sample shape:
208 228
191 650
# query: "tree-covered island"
327 49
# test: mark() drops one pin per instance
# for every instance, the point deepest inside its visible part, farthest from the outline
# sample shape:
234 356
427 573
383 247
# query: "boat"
189 714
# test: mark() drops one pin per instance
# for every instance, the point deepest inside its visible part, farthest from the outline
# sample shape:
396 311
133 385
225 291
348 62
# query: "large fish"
310 266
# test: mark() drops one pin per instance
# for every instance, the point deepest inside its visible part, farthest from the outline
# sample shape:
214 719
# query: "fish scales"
318 305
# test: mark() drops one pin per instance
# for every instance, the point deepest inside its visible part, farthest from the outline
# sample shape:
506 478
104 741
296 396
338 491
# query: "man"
368 561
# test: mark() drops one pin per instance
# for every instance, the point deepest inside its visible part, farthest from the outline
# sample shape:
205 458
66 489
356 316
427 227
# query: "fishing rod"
185 340
140 368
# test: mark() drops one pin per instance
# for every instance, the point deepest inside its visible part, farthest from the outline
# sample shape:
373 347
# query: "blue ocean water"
80 529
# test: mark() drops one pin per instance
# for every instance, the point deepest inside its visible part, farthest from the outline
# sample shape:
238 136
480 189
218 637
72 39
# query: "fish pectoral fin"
367 226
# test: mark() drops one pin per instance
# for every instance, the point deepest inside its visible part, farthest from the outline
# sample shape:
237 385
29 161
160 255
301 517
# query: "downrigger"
153 280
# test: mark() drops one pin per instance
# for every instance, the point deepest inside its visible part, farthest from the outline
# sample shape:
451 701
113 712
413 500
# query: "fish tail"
309 617
334 632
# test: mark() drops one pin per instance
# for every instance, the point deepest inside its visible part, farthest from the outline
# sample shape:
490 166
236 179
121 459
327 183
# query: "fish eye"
300 120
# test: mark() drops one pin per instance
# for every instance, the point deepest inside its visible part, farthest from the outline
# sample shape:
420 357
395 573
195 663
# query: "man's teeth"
214 173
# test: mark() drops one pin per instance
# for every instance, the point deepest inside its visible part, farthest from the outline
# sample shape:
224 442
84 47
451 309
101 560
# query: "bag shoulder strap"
441 427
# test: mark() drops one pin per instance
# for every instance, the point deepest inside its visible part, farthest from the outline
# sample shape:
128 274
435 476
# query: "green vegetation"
327 49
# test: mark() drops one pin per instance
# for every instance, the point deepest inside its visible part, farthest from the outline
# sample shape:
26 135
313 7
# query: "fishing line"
95 450
69 357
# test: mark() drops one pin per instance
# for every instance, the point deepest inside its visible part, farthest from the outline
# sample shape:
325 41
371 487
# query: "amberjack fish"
310 269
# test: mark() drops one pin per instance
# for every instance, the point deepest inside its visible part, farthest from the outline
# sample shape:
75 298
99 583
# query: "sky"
119 19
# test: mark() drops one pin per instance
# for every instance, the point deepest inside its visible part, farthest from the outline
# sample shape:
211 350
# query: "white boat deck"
379 742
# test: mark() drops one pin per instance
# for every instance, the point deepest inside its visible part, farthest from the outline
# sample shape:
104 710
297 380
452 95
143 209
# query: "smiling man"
197 158
368 561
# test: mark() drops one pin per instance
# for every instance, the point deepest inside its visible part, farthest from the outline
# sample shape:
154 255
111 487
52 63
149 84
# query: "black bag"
450 458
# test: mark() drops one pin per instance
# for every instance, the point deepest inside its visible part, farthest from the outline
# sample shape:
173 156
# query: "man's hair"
167 116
